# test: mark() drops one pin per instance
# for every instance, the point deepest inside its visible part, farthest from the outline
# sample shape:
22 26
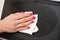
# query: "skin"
16 22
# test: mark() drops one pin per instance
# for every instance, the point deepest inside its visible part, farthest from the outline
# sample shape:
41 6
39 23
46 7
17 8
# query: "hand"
16 22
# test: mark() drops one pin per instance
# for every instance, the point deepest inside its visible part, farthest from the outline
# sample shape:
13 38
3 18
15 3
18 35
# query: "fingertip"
32 21
28 27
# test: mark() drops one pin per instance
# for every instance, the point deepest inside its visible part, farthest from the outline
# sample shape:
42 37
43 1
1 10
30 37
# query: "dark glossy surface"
47 20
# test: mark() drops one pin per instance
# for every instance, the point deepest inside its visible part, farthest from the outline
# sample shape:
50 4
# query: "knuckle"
22 24
23 20
28 23
25 24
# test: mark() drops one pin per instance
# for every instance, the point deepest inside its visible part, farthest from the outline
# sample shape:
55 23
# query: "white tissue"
33 26
35 29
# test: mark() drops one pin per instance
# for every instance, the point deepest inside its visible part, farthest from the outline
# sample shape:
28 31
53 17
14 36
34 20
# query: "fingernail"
31 13
32 22
33 17
28 27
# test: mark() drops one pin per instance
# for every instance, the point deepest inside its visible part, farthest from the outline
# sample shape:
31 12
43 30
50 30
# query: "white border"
1 7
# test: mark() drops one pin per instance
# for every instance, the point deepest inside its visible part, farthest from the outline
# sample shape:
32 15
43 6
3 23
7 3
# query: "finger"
25 14
29 13
24 28
25 19
18 13
25 24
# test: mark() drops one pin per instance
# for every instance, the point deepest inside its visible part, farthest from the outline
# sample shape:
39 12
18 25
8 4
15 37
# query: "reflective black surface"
47 19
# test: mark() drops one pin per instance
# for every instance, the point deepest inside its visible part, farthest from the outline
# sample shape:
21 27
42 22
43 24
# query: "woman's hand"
16 22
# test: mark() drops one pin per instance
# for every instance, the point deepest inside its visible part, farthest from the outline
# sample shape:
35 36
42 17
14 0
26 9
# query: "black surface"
47 20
